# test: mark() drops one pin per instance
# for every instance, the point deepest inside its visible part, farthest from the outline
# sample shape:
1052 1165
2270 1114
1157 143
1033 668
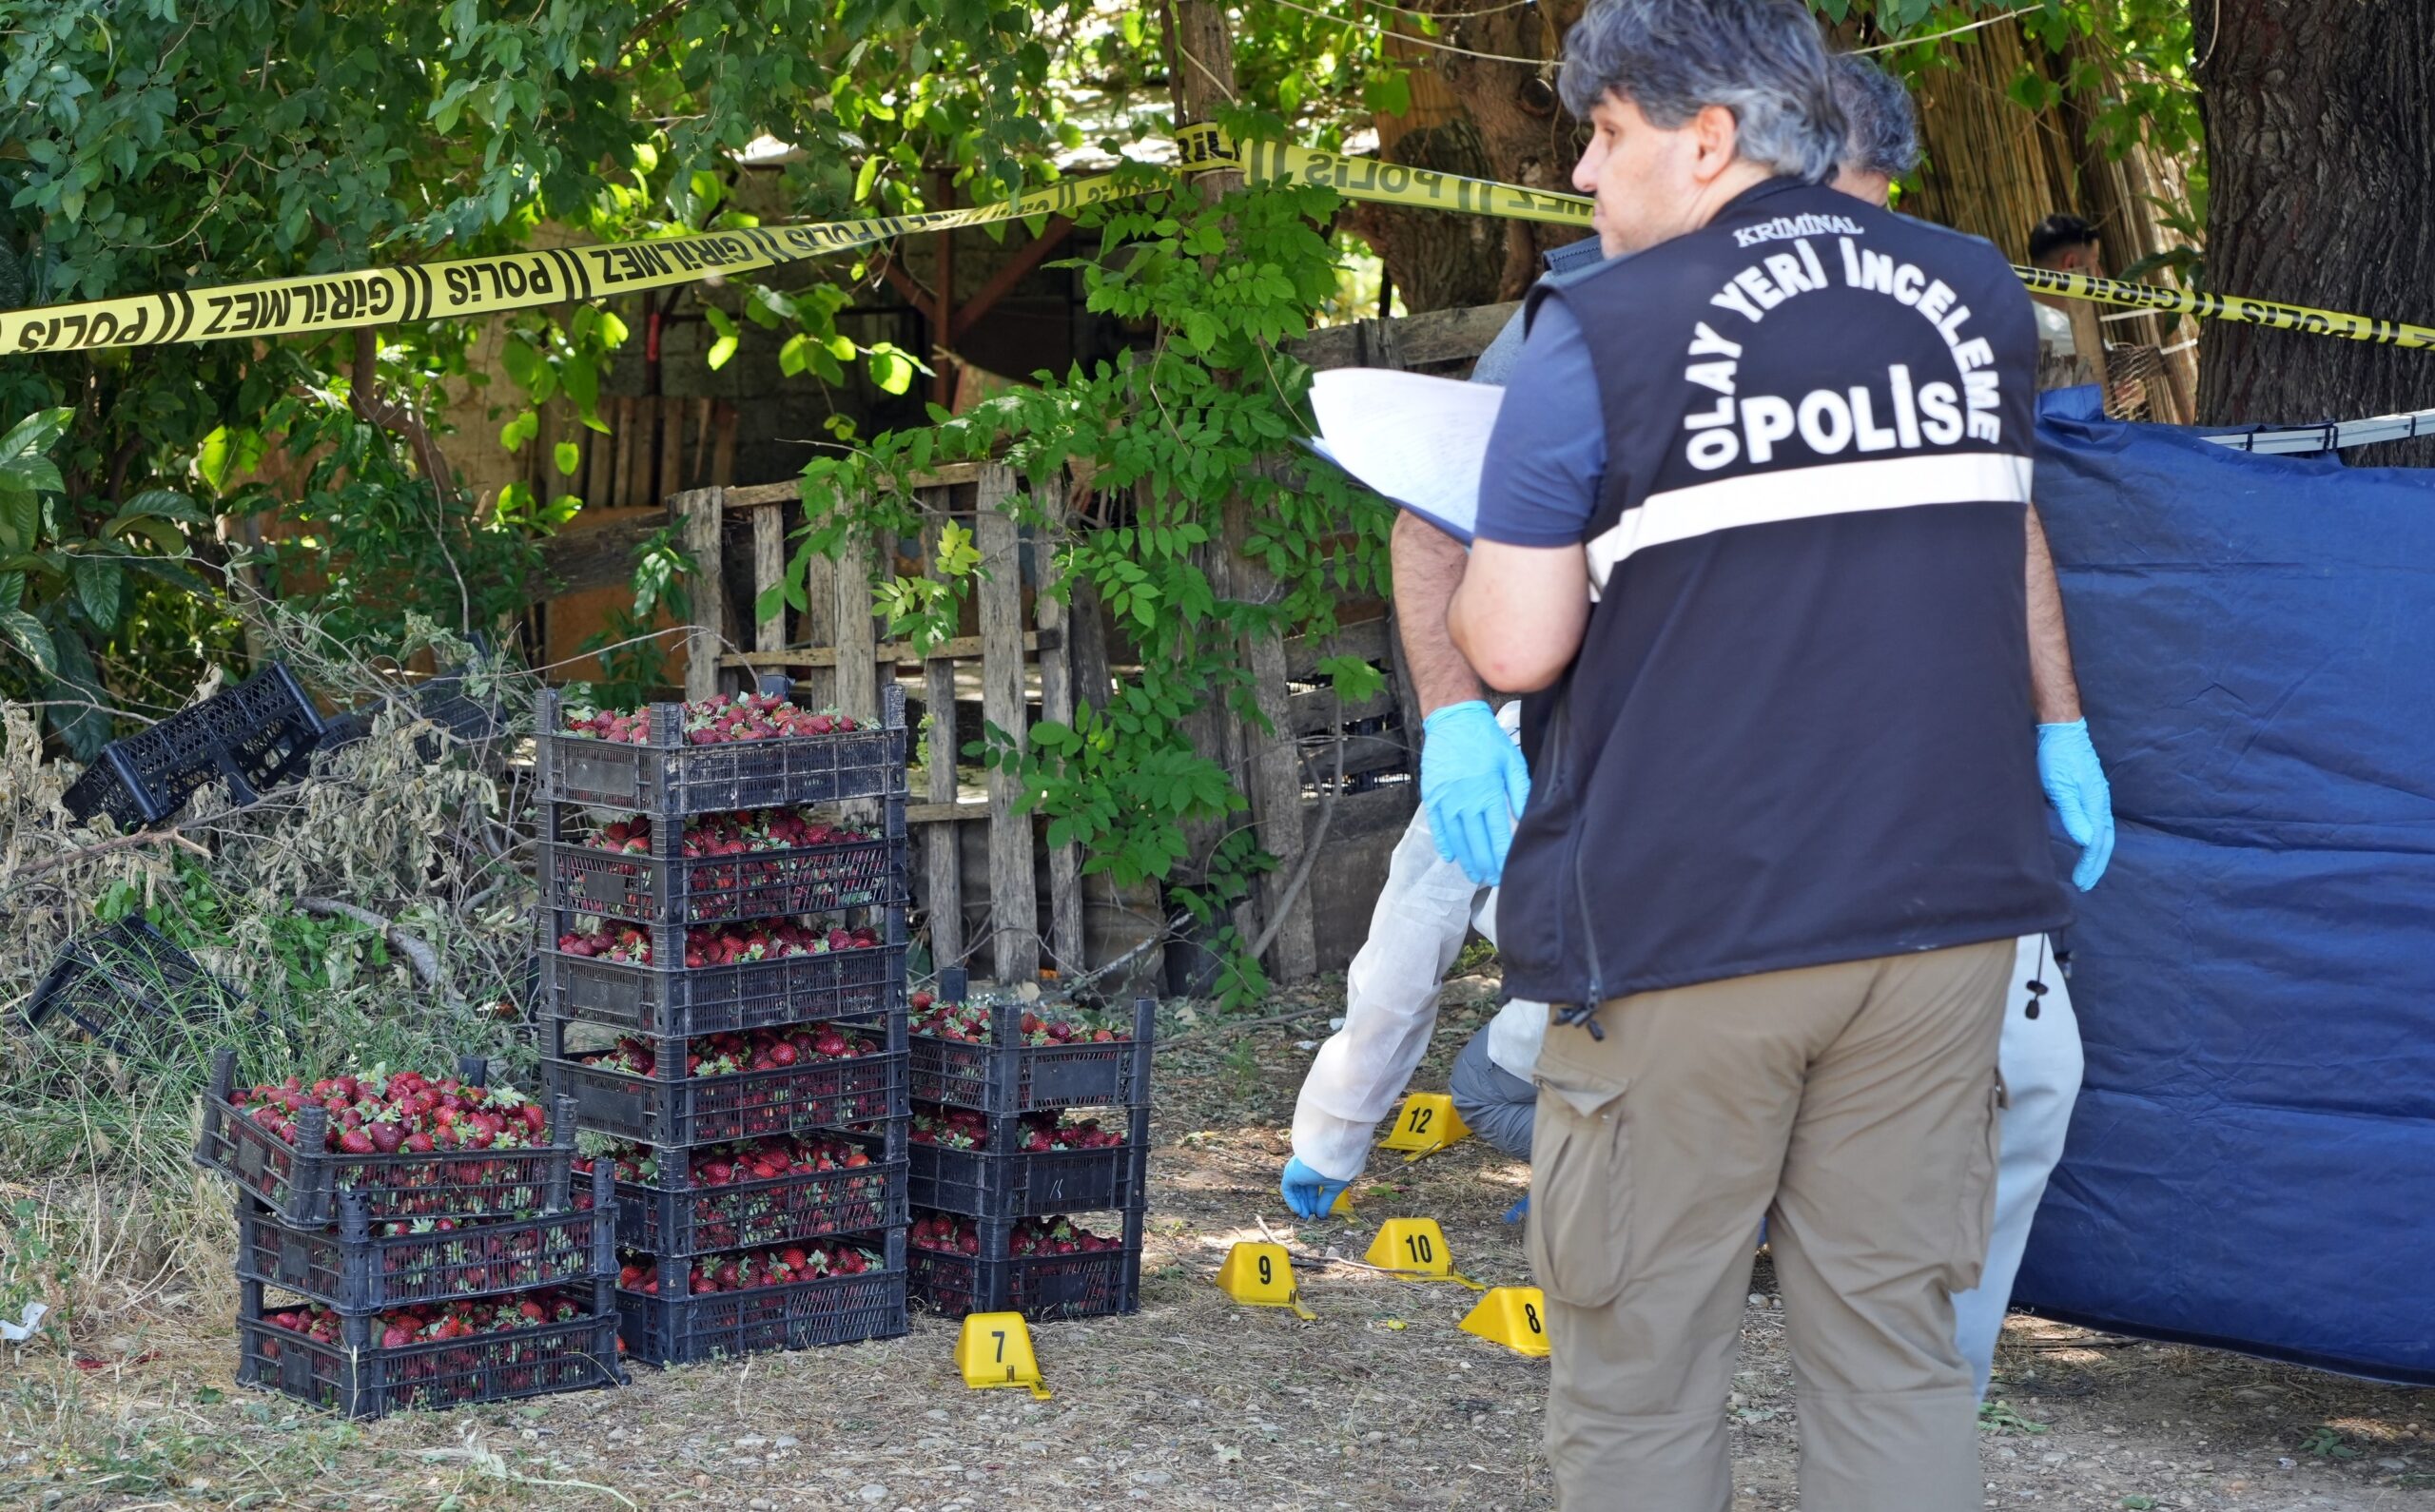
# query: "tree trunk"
1487 119
2320 121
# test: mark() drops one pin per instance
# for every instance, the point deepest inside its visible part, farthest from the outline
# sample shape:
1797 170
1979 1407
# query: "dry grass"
1193 1402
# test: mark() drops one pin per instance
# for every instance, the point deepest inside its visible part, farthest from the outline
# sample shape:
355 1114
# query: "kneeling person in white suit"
1431 899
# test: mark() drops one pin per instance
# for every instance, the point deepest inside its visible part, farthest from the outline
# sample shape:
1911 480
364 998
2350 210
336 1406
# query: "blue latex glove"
2075 784
1307 1192
1473 782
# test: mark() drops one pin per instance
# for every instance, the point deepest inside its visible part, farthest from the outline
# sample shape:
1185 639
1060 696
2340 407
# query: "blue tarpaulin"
2253 1161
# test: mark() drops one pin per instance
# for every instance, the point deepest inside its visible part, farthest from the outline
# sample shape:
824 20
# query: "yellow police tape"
519 281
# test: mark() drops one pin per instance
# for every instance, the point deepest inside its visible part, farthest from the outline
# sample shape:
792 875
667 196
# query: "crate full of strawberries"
716 754
779 1190
1056 1160
722 977
413 1145
1010 1056
1050 1267
357 1266
714 1088
677 1310
756 864
434 1354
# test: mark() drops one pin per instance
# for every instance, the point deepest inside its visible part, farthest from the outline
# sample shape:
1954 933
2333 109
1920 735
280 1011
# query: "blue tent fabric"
2253 1161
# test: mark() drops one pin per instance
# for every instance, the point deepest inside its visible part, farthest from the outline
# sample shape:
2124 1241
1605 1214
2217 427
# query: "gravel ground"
1193 1402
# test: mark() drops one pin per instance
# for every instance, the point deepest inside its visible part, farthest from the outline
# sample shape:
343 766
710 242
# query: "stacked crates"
374 1283
1031 1157
722 996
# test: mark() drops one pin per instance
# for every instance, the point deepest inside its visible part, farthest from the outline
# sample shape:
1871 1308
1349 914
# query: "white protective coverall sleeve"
1390 998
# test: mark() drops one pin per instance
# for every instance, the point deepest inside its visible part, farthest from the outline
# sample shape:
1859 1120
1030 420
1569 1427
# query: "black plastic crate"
300 1183
680 1329
671 1109
1007 1076
679 1000
359 1377
1000 1180
254 736
669 778
441 701
132 988
1038 1286
679 1214
718 889
351 1267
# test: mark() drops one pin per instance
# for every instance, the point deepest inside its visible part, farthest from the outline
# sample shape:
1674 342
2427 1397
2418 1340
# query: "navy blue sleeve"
1547 458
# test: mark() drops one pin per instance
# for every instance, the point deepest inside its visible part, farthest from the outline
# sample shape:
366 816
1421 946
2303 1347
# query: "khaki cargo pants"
1854 1107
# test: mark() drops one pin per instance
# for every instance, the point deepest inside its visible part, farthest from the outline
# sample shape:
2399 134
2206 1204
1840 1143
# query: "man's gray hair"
1762 59
1880 124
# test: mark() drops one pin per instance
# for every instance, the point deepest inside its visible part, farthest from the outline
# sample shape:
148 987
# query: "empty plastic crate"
300 1183
254 736
352 1268
681 1329
131 987
669 777
361 1379
1007 1075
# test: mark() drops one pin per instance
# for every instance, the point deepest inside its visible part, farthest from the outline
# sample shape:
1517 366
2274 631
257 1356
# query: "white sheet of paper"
1417 439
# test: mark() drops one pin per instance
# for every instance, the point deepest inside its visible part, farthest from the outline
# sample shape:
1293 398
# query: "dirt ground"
1193 1402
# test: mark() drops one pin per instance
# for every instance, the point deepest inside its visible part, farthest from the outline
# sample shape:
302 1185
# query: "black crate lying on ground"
674 1327
669 776
441 701
670 1107
701 1200
679 1000
300 1183
355 1375
1007 1075
254 736
130 987
1086 1284
1001 1179
354 1267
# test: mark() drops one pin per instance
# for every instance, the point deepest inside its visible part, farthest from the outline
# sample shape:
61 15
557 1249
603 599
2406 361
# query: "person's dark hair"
2057 233
1762 59
1880 128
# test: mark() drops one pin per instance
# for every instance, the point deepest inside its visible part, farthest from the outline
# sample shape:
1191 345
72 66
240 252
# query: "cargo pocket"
1580 1195
1977 1207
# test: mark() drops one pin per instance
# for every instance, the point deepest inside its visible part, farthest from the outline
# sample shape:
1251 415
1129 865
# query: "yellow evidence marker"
1342 1207
994 1351
1415 1249
1261 1276
1425 1124
1515 1317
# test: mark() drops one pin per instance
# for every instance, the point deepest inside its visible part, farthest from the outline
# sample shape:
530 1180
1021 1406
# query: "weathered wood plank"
1272 773
1057 705
699 509
601 556
1437 338
752 496
962 649
942 860
1014 908
1322 712
1366 639
944 813
857 660
769 571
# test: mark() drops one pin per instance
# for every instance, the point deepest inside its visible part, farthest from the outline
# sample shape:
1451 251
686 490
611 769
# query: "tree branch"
419 955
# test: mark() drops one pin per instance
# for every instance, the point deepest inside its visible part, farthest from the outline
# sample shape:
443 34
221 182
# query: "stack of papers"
1416 439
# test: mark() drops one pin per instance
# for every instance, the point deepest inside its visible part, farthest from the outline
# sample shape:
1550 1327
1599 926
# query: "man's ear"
1715 135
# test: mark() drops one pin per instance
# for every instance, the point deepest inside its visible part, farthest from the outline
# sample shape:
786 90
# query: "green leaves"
25 632
27 473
